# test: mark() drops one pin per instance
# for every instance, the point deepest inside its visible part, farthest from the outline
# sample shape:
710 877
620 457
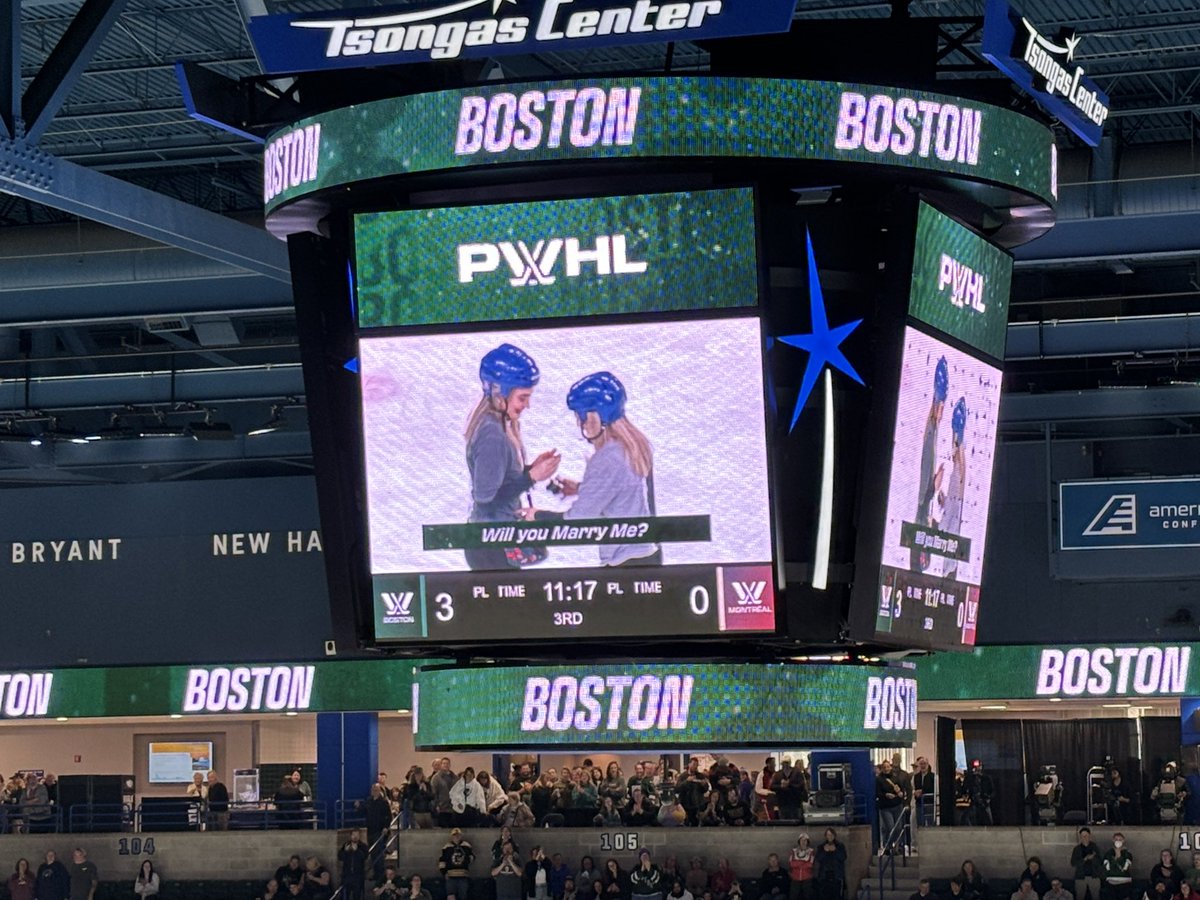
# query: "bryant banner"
647 118
1036 672
662 705
960 283
340 686
517 261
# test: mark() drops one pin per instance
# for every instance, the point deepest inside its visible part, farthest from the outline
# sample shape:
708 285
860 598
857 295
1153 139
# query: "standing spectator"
830 867
418 795
902 776
287 802
1166 872
646 880
85 877
494 796
559 873
974 887
316 880
800 868
467 799
585 879
1088 866
218 803
515 813
1118 869
670 870
391 887
692 789
791 791
146 883
53 879
696 879
22 882
378 815
608 816
302 786
639 811
1036 875
774 882
889 798
507 873
506 837
455 866
923 792
1057 891
1117 798
36 804
713 812
765 799
615 881
443 780
979 789
536 881
353 860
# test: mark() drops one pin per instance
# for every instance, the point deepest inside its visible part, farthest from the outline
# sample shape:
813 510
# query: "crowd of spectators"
1097 873
27 802
650 795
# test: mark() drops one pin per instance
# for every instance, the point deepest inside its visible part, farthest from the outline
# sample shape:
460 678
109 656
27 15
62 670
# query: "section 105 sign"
457 29
684 704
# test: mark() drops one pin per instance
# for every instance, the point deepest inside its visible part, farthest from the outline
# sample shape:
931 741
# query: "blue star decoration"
822 343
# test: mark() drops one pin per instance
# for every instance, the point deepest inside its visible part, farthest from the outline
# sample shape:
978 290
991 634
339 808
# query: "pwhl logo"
398 607
1117 517
749 593
450 29
536 264
966 285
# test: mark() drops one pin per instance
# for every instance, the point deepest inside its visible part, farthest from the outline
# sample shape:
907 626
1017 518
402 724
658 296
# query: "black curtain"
997 744
1077 745
944 785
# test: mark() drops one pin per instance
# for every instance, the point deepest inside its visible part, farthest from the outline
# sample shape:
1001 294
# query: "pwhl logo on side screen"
452 29
536 263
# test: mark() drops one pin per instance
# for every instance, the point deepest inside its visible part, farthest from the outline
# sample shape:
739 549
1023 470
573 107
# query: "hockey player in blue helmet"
617 482
929 445
496 459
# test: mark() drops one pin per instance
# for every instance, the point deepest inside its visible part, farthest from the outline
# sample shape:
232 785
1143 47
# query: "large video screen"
938 496
175 762
582 481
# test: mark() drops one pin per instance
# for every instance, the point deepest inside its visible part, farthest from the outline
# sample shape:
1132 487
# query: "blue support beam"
27 171
1158 236
10 67
70 56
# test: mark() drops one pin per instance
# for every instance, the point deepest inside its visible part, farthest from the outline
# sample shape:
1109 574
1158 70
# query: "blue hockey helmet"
600 393
941 380
958 422
507 367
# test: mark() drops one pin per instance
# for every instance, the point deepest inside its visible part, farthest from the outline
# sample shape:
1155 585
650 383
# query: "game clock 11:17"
683 601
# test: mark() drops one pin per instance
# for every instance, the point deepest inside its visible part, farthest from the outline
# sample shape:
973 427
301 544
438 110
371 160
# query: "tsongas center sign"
1032 672
454 29
666 704
1046 69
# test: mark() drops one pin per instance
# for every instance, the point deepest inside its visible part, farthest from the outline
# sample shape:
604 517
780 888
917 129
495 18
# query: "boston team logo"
397 606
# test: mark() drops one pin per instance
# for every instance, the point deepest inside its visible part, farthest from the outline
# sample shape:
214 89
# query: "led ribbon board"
664 705
1045 69
649 118
1066 671
462 29
650 253
194 690
960 283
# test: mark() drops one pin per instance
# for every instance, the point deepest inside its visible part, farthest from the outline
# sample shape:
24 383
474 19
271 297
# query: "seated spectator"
290 874
924 891
639 811
722 880
1166 871
559 873
416 891
974 887
584 794
1025 891
515 813
615 881
1186 891
670 870
735 890
713 812
609 816
1036 875
956 889
672 814
679 891
1157 890
774 882
613 784
1057 891
736 812
506 837
391 887
696 879
569 890
316 880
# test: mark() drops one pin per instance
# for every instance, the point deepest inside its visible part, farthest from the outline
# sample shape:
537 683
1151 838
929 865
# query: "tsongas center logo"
1050 61
534 265
445 31
1118 516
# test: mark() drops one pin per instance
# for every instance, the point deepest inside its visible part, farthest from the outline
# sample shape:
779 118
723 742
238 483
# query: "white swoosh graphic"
401 18
1046 44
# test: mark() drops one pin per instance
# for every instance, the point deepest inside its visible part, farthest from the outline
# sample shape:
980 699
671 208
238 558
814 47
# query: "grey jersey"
497 478
611 489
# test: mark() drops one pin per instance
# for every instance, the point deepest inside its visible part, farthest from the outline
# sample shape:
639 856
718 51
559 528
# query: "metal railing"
893 846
